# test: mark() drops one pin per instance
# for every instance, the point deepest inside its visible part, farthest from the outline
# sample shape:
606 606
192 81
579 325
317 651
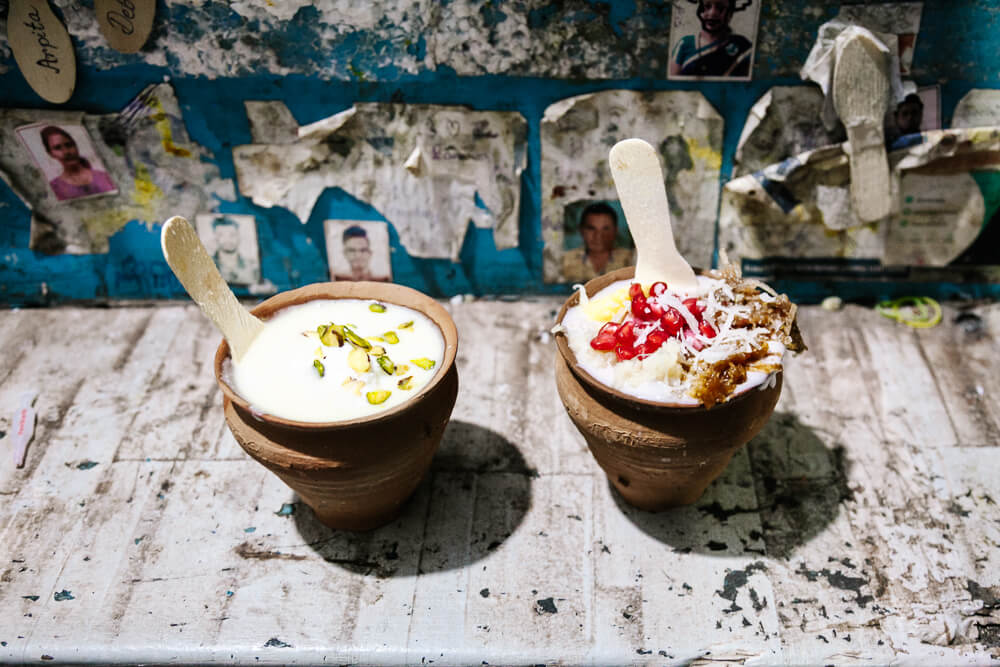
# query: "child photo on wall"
358 250
231 241
712 39
597 240
65 154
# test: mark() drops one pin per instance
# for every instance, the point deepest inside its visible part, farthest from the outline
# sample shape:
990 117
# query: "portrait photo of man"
603 243
231 240
358 250
712 39
66 155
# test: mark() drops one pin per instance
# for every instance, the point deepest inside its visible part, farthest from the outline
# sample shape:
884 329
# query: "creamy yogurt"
290 372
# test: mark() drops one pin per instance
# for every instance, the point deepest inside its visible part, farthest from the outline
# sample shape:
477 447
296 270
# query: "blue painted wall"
358 66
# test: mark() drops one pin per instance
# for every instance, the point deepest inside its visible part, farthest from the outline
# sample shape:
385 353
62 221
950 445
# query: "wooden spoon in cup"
198 274
635 168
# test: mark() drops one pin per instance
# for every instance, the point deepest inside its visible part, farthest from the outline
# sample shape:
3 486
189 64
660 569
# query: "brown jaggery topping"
717 382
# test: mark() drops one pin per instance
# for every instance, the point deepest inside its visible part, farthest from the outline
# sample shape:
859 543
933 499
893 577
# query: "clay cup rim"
365 290
592 287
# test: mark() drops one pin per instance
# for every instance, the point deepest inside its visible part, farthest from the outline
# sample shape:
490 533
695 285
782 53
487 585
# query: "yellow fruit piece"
358 360
376 397
605 308
424 363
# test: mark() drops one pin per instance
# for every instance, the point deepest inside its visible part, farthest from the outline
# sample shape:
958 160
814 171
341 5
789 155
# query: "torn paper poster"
271 122
798 211
577 134
85 176
429 170
893 26
784 122
979 108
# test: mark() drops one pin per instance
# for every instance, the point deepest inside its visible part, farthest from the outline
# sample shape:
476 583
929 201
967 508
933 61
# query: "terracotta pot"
355 474
657 455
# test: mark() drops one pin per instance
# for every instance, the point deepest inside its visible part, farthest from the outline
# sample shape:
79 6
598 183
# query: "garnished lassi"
337 359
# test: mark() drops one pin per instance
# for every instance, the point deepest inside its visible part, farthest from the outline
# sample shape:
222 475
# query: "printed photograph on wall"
358 250
231 241
596 240
917 112
65 154
713 39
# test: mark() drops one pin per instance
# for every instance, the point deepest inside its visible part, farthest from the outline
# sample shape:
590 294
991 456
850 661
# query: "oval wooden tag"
126 24
42 49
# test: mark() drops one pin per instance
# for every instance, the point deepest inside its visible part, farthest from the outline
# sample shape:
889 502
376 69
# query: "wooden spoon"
198 274
639 181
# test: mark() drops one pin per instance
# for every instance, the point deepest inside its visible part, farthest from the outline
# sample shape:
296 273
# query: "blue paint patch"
63 595
86 465
287 509
251 529
139 539
229 594
33 598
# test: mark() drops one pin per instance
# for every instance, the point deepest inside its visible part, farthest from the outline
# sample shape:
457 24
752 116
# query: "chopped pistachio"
376 397
424 363
355 385
377 308
374 339
406 383
330 336
390 337
318 351
386 364
377 350
402 368
356 340
405 325
358 360
318 365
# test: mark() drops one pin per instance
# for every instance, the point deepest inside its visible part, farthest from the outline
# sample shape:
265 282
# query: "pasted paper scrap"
895 25
784 122
978 108
462 157
155 169
577 134
800 208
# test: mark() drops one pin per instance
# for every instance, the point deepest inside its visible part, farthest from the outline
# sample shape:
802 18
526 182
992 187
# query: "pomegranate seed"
604 342
625 352
609 328
656 339
696 308
658 288
706 329
672 321
689 336
635 291
626 333
655 308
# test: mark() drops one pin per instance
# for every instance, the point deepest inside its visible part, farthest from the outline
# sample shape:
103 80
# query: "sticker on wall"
797 213
784 122
126 24
429 170
358 250
979 108
713 40
66 155
92 174
42 49
576 135
231 242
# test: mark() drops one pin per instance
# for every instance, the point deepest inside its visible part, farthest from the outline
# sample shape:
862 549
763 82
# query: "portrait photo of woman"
66 156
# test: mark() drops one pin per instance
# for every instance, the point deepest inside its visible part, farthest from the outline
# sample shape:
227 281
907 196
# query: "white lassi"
337 359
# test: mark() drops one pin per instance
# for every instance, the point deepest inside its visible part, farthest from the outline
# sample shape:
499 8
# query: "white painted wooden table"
861 527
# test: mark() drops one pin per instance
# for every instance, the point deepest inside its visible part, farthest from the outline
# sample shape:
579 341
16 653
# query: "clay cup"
355 474
657 455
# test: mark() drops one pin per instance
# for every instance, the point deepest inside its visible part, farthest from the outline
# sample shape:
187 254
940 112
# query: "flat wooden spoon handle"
198 274
635 168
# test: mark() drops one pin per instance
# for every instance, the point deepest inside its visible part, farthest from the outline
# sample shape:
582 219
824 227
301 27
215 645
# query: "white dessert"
742 346
374 357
